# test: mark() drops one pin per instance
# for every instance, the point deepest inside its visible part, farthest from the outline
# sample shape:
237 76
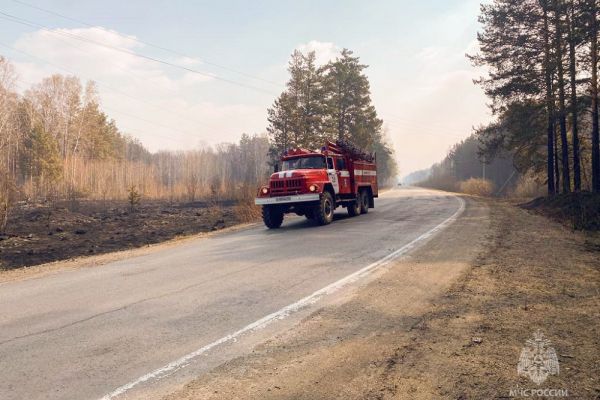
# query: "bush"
245 212
133 197
73 197
528 187
477 187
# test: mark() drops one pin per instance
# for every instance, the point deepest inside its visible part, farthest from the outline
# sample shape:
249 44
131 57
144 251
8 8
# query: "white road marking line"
184 361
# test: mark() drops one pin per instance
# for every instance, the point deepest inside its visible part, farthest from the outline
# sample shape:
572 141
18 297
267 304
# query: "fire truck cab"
315 183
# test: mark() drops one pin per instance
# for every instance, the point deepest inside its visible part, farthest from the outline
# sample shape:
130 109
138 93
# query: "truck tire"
272 216
354 207
323 213
364 202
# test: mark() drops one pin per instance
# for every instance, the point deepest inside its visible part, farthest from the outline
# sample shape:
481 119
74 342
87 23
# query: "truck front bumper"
300 198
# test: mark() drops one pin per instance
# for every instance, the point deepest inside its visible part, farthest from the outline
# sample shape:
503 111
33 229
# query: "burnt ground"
580 211
42 233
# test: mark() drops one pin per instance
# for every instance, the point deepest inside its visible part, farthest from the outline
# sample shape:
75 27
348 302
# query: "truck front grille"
286 186
277 184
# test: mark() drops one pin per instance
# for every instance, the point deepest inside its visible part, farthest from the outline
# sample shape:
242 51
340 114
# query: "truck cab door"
343 176
332 174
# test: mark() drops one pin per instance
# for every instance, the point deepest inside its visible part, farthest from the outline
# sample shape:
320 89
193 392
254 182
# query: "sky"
234 56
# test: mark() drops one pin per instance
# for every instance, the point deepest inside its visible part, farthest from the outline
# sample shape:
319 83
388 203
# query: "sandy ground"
479 290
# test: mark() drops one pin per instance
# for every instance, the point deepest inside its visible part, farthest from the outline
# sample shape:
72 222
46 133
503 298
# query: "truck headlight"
265 190
313 188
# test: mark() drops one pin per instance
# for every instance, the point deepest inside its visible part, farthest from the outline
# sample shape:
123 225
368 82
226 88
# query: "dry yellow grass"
528 187
477 187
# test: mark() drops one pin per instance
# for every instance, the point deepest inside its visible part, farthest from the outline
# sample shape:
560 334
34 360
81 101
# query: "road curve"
84 333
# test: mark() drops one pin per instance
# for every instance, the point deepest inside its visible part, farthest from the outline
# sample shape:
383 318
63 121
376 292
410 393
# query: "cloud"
79 49
429 53
192 78
188 61
325 51
100 54
164 107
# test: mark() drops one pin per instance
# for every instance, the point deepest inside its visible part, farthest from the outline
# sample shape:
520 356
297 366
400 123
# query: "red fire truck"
315 183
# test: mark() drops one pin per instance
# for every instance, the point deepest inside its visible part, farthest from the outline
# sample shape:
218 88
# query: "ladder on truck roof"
346 147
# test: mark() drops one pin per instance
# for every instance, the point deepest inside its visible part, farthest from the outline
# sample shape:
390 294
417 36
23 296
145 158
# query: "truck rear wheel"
272 216
364 202
354 207
323 213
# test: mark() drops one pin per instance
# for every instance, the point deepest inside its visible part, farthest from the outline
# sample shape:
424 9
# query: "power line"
100 83
22 21
395 119
25 22
425 130
122 132
128 115
150 44
145 80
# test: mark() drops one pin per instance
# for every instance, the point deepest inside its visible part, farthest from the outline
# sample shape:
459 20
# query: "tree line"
57 143
464 162
328 102
542 62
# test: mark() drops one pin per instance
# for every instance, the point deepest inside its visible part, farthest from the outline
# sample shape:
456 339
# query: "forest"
541 58
464 162
56 143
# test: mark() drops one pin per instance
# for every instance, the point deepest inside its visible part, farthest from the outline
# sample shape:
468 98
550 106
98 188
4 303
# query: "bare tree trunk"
556 158
574 109
594 93
562 114
549 106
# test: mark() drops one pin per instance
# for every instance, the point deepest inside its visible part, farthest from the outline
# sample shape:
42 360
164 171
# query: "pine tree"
296 117
593 18
516 46
574 41
304 108
550 170
350 112
562 110
41 157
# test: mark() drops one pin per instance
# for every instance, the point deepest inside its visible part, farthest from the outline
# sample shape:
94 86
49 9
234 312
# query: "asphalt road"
82 334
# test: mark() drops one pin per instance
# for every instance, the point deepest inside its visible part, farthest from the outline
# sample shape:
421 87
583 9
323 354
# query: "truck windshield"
304 163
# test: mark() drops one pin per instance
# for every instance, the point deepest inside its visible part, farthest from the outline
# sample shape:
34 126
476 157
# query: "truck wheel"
364 202
324 211
272 216
354 207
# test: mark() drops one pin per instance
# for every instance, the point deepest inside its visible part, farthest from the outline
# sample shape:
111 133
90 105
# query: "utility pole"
483 166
